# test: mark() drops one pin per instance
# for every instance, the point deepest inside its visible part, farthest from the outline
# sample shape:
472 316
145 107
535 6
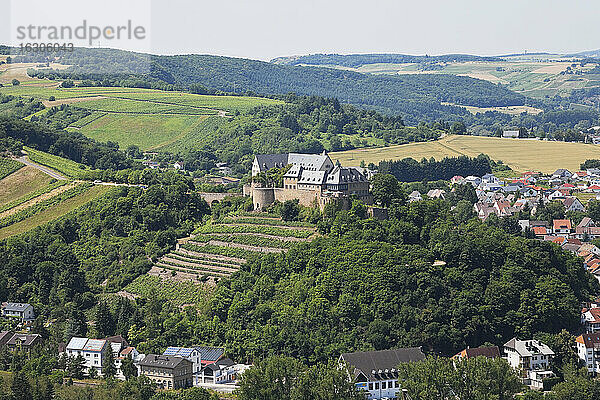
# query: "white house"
510 134
562 173
561 227
556 195
473 180
93 352
179 166
590 319
22 311
573 204
414 196
375 372
532 358
121 350
588 351
224 371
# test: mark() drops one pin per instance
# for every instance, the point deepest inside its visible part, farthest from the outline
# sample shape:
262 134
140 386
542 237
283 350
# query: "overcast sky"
263 29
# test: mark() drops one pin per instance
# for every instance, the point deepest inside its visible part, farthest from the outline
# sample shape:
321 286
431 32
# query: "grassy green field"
53 212
521 155
63 165
145 131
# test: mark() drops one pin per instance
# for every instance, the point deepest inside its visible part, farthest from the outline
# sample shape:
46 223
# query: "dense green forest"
411 170
71 145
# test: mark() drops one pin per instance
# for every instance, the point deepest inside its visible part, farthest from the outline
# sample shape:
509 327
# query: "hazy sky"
263 29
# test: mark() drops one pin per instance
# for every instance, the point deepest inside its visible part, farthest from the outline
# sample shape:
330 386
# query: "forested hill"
415 97
357 60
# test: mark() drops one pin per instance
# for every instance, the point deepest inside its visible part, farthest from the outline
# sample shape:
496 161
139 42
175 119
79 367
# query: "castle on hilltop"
313 179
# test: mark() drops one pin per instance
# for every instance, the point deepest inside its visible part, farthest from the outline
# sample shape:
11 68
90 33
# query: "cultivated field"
150 119
531 76
519 154
30 198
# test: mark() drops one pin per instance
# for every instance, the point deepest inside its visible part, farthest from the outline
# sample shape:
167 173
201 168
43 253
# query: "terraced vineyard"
220 248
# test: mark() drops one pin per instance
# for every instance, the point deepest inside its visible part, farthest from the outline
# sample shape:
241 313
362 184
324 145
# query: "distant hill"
357 60
415 97
588 54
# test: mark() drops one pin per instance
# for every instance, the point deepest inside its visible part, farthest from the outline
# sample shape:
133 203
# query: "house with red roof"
588 351
561 227
483 351
594 189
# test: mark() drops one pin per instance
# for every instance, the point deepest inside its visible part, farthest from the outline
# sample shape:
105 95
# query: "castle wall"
305 197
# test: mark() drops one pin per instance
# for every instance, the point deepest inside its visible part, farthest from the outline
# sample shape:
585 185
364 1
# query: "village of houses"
507 197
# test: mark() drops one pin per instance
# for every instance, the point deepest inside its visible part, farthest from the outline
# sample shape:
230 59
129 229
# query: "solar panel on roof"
77 343
171 351
94 345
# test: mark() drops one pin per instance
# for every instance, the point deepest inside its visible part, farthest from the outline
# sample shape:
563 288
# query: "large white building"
532 358
92 350
588 351
375 373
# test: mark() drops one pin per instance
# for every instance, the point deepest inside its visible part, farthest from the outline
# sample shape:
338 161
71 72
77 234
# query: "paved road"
45 170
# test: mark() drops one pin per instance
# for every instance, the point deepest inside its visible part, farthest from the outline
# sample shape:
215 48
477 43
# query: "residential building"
510 134
562 173
532 358
22 342
489 352
224 371
20 311
561 227
573 204
590 319
199 356
588 351
457 179
436 194
179 166
375 373
121 350
587 229
414 196
167 372
93 352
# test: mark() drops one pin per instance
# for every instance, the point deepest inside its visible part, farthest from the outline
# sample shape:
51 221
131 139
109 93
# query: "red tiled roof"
588 339
594 187
595 313
562 224
539 230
